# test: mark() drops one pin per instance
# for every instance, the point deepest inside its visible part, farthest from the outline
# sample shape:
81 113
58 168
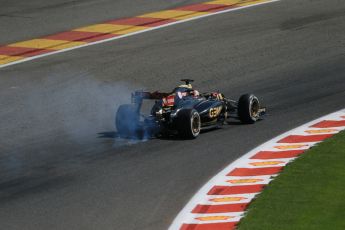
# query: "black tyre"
188 123
248 108
127 121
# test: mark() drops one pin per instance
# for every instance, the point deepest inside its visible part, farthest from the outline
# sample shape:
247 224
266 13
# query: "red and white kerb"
222 202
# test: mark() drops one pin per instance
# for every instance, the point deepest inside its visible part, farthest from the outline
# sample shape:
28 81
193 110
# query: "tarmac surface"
61 166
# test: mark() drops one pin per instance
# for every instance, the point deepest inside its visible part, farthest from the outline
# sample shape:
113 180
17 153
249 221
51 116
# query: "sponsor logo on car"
214 112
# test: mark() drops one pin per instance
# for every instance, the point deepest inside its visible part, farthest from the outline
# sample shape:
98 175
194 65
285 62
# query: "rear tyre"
188 123
248 108
127 121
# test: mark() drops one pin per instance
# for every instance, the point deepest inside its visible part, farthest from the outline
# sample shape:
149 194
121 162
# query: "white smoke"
55 120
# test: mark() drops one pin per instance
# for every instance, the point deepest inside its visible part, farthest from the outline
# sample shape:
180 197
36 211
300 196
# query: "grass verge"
308 194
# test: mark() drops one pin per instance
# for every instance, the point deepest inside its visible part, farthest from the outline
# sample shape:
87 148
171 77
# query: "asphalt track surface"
22 20
62 168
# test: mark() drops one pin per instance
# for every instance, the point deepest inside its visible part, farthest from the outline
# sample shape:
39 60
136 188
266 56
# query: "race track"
60 165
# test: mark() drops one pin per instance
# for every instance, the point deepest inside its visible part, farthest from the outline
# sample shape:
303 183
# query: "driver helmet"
183 88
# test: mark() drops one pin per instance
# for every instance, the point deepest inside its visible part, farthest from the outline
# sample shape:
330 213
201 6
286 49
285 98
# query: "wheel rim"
195 124
254 108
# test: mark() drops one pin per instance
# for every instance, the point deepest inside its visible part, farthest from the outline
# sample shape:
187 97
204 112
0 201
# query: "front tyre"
188 123
248 109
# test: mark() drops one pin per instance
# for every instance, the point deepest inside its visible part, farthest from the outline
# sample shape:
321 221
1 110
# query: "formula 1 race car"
183 112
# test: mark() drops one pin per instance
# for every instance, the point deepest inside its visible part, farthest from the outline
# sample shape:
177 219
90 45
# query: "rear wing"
139 96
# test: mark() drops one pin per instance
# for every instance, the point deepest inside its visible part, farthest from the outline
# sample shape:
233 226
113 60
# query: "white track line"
201 197
132 34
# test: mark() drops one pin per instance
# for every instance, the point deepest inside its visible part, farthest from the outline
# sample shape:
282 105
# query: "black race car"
184 112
